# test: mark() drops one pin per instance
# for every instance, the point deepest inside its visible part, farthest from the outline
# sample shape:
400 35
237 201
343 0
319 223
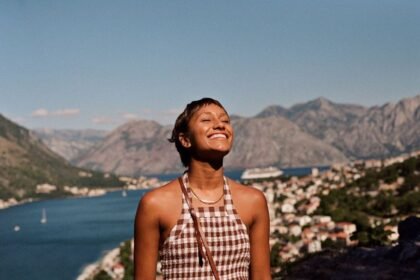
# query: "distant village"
45 188
292 204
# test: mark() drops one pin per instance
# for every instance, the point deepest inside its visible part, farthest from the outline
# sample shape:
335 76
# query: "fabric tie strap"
199 235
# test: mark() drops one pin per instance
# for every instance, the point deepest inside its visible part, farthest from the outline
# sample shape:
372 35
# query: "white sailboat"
44 216
124 193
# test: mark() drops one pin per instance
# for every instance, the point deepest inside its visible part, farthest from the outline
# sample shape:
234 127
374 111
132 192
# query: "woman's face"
210 132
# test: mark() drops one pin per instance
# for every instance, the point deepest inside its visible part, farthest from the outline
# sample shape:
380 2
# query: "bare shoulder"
245 193
250 202
160 198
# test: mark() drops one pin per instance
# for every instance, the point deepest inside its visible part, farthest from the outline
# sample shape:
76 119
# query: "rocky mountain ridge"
359 132
317 132
135 148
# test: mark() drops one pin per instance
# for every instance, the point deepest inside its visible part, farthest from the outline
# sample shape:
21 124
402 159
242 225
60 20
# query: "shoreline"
80 192
130 182
33 200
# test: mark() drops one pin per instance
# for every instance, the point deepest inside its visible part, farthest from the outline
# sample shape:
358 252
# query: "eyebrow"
220 115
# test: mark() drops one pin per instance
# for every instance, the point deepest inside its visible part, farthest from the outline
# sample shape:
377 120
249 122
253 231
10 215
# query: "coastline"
5 205
80 192
111 263
140 183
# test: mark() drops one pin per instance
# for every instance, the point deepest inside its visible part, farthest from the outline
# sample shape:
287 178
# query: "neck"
203 175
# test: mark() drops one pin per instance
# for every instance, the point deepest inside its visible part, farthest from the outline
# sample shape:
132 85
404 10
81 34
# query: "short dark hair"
181 125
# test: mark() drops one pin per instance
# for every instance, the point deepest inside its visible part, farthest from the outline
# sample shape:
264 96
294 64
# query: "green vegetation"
274 255
102 275
361 201
126 260
279 269
26 162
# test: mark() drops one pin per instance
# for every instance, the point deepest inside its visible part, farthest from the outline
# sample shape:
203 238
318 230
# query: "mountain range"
318 132
25 162
359 132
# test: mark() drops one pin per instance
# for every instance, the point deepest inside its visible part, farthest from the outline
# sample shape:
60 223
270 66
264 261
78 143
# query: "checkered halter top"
226 236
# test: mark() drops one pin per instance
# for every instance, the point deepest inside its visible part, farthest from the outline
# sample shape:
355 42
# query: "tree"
102 275
126 261
275 261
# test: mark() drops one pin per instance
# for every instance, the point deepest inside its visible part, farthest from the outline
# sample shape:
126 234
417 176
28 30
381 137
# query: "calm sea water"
78 232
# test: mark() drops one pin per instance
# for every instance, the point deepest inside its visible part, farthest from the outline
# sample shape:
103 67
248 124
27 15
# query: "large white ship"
261 173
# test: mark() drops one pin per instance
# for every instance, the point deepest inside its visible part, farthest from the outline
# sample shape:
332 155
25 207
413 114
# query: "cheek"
196 138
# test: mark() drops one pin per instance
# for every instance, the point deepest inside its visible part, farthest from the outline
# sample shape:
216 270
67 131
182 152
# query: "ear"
184 140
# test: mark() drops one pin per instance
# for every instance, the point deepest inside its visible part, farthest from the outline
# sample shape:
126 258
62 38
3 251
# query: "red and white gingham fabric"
226 236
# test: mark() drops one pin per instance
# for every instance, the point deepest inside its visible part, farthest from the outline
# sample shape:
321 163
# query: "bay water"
77 232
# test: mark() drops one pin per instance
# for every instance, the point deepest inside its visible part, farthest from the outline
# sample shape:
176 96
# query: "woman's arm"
146 238
259 237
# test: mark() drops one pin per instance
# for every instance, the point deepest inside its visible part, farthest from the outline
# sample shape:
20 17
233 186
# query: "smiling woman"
203 225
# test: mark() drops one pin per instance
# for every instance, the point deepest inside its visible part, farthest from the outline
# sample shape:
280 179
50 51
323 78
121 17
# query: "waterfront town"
130 184
292 206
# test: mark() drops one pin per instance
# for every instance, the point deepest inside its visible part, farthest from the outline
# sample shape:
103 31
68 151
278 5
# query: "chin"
221 152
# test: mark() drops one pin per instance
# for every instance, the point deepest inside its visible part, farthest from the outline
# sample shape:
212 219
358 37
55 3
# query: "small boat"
16 228
44 216
124 193
261 173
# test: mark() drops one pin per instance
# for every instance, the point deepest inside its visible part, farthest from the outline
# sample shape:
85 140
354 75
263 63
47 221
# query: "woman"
202 225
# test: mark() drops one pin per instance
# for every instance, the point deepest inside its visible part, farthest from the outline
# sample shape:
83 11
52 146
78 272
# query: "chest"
172 216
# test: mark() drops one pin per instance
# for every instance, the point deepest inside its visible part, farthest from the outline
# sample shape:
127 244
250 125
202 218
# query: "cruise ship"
261 173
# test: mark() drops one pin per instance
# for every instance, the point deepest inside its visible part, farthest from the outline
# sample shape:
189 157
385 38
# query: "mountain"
70 143
26 162
273 110
135 148
274 140
321 117
357 131
141 147
376 132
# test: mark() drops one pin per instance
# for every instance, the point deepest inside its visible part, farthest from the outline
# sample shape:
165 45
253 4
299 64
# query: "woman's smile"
218 136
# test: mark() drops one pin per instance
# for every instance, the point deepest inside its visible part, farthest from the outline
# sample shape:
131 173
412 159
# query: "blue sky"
96 64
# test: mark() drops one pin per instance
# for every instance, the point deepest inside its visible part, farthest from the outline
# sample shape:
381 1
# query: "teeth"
218 135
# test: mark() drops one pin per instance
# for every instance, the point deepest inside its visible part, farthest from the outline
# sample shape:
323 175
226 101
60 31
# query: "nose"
218 124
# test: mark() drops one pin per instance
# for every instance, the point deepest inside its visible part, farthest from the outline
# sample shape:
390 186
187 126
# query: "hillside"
25 162
69 143
383 195
363 206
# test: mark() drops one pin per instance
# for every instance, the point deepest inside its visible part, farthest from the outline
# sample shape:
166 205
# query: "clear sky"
96 63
